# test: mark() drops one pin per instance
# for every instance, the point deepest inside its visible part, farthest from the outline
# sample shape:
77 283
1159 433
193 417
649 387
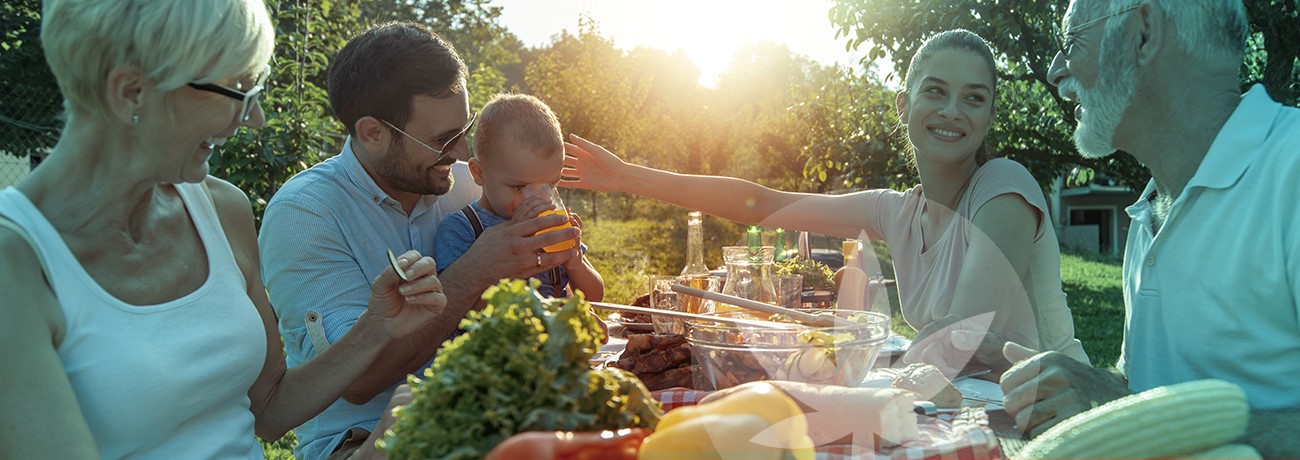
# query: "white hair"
1208 29
173 42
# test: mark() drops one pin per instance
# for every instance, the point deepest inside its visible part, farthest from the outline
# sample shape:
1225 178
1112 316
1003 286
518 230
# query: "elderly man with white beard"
1212 265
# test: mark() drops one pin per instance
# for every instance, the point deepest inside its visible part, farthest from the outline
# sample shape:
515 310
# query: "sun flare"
707 31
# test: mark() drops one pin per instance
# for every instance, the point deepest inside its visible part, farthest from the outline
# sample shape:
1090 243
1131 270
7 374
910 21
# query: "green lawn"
625 252
1096 296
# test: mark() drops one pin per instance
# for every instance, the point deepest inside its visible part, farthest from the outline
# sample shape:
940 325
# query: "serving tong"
683 315
802 317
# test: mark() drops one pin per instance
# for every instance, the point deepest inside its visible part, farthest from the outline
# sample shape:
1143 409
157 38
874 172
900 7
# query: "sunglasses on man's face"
444 152
248 98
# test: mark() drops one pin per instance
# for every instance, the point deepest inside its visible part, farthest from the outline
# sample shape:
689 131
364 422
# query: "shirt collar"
358 175
1238 141
1141 210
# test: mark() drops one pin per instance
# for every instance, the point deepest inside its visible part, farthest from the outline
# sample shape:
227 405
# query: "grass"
626 252
1095 292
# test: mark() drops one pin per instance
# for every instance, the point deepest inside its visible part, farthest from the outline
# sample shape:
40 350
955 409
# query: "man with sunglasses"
1204 298
400 91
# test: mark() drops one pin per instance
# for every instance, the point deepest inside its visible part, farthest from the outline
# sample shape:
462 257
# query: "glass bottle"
851 279
695 246
696 274
779 244
749 274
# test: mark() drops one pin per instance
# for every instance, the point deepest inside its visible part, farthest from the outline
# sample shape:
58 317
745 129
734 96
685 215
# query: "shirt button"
1151 261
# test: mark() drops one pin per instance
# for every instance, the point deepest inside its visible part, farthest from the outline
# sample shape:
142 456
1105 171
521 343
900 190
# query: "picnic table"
1008 441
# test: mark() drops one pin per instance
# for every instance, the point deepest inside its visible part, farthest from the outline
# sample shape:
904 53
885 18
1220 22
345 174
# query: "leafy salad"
521 366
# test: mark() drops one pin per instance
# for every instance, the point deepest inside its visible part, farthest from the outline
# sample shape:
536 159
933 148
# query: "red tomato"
565 445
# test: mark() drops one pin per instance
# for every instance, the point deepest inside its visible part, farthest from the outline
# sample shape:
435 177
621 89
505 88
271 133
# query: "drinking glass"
662 297
695 304
789 291
553 193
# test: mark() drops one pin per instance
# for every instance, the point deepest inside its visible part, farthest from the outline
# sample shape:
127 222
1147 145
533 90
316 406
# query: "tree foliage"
472 26
852 139
300 129
648 106
29 97
1034 123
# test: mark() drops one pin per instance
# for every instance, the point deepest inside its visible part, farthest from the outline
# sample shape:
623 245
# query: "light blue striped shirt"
323 239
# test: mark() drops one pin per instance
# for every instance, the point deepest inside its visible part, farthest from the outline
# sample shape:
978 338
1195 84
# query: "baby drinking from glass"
518 153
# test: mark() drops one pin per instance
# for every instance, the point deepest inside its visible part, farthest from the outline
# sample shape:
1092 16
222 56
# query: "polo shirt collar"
1141 209
1238 142
358 176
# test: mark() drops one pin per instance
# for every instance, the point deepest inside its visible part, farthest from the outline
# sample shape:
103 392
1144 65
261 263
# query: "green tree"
852 140
472 26
1034 122
1029 126
1274 48
587 82
753 97
299 129
30 102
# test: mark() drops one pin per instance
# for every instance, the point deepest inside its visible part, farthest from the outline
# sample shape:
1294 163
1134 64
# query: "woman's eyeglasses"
248 98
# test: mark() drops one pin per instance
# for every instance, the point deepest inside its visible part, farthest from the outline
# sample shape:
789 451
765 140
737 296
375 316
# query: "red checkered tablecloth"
965 436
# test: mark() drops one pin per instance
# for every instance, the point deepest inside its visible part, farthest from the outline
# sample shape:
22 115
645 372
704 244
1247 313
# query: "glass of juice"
558 208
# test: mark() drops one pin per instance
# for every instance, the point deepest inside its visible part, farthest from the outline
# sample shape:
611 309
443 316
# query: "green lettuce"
523 365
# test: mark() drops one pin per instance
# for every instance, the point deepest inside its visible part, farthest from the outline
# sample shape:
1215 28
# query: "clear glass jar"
749 275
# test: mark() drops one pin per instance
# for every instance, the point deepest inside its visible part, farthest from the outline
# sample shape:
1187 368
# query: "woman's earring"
135 119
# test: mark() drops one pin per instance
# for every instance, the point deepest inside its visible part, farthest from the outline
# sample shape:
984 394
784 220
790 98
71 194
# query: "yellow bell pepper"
756 421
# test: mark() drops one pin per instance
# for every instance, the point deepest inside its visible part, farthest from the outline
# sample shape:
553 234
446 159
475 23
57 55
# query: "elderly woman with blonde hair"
135 319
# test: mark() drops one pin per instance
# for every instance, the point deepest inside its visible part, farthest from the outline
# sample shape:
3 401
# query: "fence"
29 127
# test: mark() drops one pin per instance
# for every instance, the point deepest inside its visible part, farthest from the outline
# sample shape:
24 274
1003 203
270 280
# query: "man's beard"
1103 105
408 177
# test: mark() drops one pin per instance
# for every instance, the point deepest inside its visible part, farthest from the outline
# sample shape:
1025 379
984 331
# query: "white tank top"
158 381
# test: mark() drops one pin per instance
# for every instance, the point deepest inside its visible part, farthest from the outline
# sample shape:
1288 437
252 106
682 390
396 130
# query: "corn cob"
1161 422
1230 451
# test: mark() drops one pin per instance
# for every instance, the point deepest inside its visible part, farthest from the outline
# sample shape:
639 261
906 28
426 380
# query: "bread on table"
926 381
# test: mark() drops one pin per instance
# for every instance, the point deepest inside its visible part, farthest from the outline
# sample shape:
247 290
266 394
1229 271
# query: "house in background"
1091 217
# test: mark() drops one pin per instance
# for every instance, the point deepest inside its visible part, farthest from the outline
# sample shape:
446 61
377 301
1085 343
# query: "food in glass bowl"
729 355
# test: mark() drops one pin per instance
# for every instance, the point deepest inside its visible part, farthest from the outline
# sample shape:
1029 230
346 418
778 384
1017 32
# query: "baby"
518 153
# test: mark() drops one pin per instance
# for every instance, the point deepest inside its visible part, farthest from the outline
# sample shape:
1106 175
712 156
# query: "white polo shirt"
1214 295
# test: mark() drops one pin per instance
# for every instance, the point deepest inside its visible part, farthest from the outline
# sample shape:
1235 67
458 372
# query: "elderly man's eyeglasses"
1065 41
446 146
248 98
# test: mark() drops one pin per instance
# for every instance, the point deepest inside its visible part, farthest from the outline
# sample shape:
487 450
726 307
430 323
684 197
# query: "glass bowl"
729 355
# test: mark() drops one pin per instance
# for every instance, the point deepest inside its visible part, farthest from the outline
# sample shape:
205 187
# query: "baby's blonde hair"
173 42
525 117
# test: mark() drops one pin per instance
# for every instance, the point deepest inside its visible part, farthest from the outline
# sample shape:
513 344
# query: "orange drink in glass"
558 209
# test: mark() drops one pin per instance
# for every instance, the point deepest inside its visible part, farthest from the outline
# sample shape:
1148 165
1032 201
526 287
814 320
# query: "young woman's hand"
590 166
